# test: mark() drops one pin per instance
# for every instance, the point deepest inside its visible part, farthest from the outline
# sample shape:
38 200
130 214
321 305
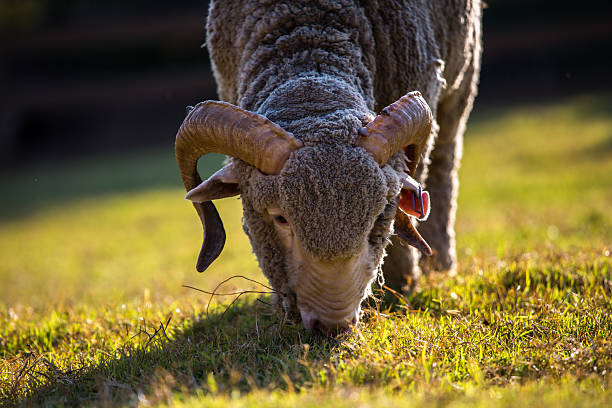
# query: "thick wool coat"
321 69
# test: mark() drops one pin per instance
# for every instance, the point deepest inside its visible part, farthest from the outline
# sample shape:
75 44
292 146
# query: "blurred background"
92 77
93 91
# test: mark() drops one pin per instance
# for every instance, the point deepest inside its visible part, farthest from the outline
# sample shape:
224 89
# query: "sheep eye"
280 219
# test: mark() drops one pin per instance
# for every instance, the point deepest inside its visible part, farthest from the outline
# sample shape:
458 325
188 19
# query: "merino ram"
326 184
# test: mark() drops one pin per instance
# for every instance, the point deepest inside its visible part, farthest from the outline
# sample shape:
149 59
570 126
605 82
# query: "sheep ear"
411 205
224 183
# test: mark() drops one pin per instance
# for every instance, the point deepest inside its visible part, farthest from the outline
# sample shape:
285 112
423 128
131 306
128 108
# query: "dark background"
83 78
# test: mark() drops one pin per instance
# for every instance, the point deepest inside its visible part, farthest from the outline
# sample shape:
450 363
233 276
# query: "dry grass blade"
239 293
23 372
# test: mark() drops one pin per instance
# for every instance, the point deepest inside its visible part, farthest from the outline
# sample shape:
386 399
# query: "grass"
92 311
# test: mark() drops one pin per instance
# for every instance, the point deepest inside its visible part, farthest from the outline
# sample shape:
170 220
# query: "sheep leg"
400 267
442 181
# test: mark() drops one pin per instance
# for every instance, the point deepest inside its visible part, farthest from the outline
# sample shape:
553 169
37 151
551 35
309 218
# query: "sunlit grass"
92 310
114 246
537 176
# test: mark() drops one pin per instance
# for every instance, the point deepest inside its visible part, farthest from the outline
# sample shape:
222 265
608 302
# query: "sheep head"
318 216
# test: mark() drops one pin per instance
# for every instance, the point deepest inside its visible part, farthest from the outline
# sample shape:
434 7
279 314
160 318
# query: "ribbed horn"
405 124
221 127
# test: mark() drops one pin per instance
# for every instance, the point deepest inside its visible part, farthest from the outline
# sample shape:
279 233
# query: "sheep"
325 183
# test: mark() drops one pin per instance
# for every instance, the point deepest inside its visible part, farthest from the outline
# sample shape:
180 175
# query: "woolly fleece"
321 69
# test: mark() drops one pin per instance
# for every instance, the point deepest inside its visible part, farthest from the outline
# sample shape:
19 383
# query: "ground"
94 254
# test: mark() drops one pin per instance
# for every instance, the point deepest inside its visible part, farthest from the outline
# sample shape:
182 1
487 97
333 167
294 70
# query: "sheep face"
320 217
319 229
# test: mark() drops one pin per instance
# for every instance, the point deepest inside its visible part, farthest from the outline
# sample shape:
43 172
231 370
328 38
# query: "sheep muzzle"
329 294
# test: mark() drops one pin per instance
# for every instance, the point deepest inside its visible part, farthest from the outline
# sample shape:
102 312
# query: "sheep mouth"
332 329
321 322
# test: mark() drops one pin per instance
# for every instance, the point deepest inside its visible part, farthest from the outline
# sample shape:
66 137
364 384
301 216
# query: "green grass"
92 311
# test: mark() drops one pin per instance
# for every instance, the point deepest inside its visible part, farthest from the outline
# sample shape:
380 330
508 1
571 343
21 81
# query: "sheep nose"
334 328
309 318
312 322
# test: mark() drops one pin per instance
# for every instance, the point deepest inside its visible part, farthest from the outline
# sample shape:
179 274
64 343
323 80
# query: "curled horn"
405 124
221 127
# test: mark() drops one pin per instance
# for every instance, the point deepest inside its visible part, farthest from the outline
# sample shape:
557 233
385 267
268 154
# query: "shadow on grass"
247 348
50 184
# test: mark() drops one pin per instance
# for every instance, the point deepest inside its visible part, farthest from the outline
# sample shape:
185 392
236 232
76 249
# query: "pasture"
94 254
